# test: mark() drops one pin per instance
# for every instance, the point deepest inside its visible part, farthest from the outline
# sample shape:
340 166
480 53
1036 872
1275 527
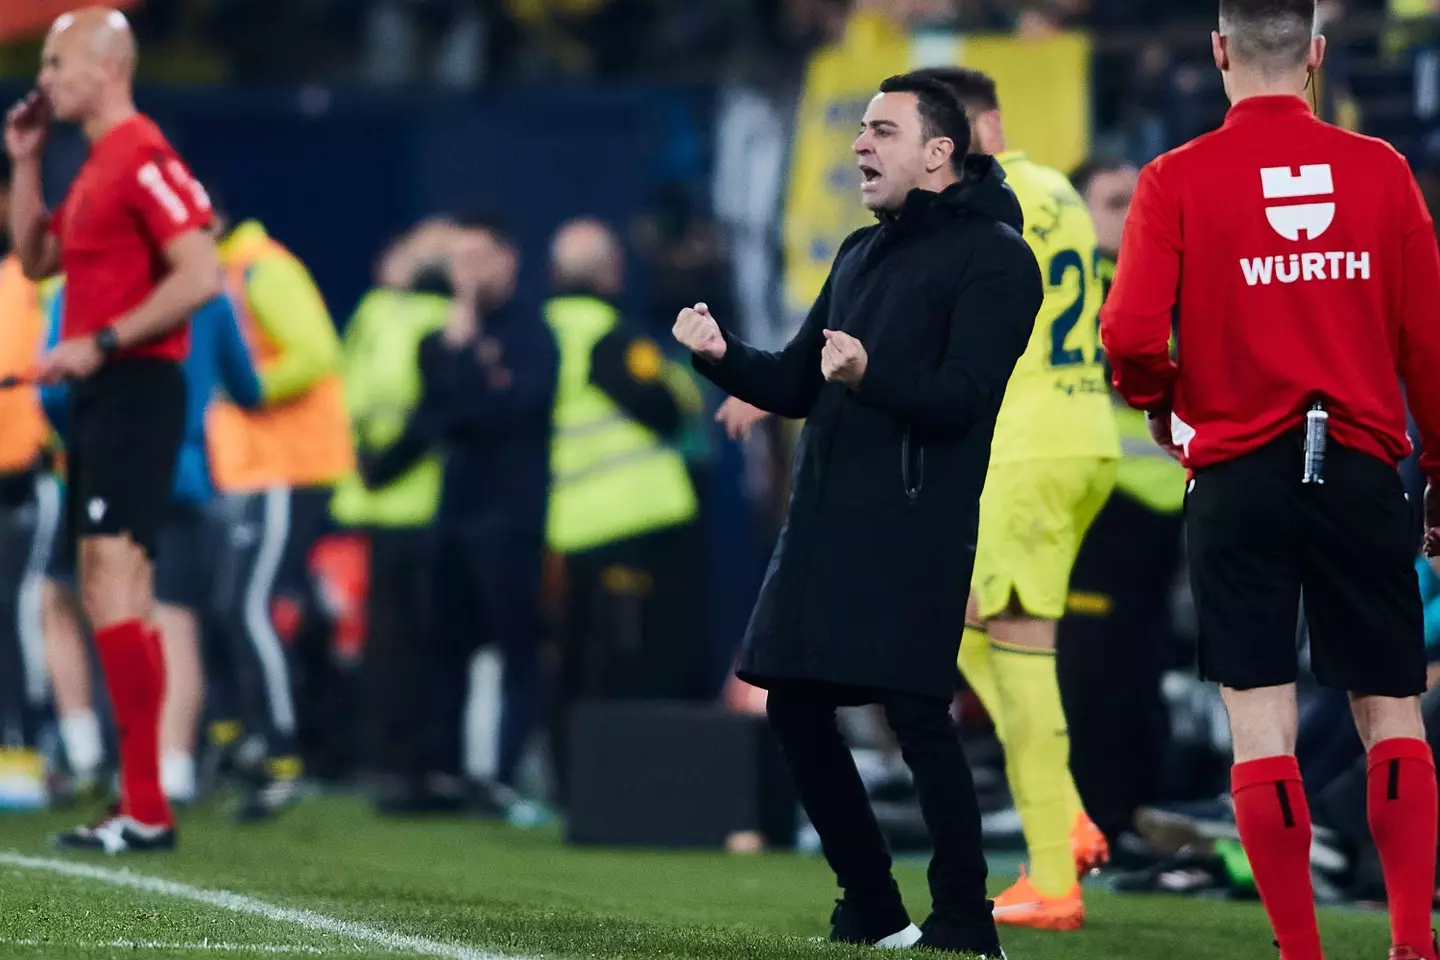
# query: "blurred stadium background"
713 137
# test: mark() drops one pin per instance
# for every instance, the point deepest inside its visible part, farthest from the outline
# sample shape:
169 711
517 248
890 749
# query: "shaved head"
103 33
88 65
586 254
1276 40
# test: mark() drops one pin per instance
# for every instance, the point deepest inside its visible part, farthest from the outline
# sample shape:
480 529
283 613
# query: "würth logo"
1290 220
1315 180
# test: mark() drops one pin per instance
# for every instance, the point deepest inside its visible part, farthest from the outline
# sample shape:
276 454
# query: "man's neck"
108 117
941 181
1246 85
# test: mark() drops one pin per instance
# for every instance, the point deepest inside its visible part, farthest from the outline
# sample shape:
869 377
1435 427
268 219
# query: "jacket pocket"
912 466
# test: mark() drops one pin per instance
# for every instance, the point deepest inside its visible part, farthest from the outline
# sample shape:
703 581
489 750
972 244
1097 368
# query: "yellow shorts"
1033 515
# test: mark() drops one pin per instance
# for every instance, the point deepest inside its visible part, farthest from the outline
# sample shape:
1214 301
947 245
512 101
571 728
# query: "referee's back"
1309 269
1305 272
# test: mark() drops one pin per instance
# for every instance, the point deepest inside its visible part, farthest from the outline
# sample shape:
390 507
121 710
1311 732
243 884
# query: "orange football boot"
1024 906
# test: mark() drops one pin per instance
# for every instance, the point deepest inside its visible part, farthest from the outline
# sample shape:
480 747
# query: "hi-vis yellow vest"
1146 474
611 477
302 442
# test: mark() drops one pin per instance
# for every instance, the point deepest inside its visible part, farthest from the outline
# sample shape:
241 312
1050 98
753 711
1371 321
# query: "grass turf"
526 894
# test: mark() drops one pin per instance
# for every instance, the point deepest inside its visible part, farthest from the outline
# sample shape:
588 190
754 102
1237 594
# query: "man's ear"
941 150
1316 55
1220 48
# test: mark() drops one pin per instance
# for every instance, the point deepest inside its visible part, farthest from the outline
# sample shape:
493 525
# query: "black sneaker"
950 935
114 834
884 926
267 801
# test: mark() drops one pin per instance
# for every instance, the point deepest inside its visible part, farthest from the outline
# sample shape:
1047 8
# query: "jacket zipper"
916 482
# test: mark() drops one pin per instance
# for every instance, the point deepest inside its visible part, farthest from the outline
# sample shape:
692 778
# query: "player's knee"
1387 718
114 580
1019 629
1263 721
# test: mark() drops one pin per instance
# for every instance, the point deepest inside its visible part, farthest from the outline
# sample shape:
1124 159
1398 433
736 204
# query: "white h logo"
1315 180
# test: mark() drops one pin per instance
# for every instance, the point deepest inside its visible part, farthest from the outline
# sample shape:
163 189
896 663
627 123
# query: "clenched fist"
698 332
844 359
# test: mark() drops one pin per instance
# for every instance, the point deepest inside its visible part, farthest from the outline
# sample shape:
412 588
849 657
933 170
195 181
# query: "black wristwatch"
107 341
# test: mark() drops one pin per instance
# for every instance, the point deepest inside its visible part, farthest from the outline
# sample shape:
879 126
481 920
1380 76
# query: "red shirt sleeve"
1135 322
166 198
1419 358
57 219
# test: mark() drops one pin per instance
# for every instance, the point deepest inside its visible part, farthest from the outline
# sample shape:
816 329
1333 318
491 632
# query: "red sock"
1401 796
1274 820
134 667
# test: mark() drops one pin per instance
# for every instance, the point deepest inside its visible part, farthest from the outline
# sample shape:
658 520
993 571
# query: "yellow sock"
1037 762
979 671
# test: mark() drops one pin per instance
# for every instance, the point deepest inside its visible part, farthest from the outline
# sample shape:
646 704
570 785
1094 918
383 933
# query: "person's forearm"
170 304
30 221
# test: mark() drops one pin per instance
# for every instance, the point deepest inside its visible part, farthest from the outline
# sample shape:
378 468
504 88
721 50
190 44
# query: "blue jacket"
218 359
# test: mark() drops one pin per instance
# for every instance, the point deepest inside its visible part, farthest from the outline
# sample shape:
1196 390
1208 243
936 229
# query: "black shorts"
184 568
1257 538
126 425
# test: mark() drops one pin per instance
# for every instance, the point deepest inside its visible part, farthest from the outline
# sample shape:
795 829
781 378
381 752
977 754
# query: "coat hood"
983 192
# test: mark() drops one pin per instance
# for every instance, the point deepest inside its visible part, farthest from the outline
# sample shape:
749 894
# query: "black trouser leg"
460 620
579 674
946 791
830 789
398 648
1110 658
255 531
29 514
317 681
514 579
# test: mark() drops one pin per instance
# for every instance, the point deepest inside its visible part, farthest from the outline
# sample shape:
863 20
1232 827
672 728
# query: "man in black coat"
899 370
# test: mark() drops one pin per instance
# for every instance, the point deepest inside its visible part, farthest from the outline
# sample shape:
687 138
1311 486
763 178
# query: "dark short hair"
941 114
975 89
489 223
1084 175
1272 35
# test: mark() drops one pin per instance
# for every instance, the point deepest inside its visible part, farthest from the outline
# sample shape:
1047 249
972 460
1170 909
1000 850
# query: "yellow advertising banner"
1044 88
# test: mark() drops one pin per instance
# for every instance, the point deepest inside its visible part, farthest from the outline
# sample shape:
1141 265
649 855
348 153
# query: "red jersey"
1304 265
132 197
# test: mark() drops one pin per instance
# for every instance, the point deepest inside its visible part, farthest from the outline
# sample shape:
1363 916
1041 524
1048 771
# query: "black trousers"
802 714
487 593
29 516
253 535
399 650
1110 660
628 630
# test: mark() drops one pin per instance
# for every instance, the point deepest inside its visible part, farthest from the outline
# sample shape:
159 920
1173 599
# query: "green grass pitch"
474 891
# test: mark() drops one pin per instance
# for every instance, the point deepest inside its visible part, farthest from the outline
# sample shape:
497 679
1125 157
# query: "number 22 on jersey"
1068 323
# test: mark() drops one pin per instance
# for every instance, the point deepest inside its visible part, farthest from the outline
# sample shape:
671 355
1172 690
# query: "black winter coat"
868 582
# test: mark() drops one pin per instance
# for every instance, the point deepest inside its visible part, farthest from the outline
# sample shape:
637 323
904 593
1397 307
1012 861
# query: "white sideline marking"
239 903
203 945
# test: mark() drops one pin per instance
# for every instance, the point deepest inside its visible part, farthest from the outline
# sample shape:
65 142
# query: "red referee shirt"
132 197
1303 262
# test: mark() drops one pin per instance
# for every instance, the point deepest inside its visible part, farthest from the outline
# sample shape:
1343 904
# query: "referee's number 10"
160 188
1060 266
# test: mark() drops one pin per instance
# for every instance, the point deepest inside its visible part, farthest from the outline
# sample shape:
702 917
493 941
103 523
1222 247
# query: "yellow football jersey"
1057 403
